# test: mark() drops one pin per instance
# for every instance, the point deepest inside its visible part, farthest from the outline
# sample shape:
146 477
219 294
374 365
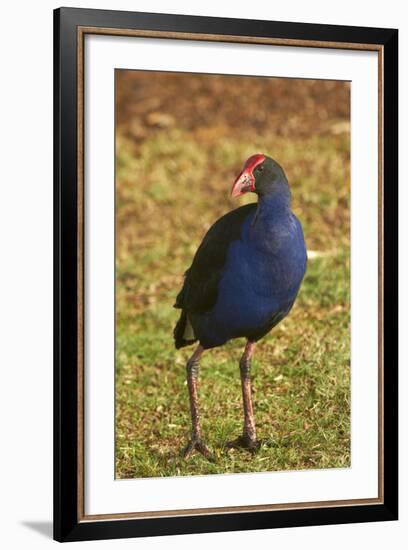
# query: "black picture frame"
67 525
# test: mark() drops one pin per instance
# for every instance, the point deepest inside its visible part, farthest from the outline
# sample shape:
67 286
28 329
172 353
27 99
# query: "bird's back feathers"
199 291
200 288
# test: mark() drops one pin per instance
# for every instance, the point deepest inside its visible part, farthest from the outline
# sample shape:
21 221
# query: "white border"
104 495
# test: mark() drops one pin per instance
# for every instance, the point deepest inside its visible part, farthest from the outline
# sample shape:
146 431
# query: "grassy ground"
179 147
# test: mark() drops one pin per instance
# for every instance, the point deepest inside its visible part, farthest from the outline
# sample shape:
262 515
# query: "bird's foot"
245 441
197 444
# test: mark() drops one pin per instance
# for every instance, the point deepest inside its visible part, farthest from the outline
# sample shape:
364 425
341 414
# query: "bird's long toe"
197 444
244 441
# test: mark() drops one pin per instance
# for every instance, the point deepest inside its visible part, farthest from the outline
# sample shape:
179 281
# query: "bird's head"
260 175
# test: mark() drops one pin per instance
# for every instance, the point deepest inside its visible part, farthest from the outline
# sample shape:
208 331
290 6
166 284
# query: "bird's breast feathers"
269 259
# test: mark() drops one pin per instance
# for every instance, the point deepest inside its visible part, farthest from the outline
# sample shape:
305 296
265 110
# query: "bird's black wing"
199 292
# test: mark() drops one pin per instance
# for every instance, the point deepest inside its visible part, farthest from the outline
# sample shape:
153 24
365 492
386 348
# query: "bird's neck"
272 219
276 202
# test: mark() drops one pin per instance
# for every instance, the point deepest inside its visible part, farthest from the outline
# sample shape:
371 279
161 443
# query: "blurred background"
180 141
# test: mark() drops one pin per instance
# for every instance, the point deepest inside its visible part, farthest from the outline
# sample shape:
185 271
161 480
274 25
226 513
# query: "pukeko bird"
243 281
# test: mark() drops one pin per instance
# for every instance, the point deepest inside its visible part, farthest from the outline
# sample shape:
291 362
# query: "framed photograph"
225 274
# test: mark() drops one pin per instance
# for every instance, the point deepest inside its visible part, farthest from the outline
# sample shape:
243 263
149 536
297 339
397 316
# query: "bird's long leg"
248 439
245 370
196 442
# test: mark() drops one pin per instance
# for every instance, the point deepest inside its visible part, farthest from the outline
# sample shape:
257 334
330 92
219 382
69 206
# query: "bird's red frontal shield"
245 182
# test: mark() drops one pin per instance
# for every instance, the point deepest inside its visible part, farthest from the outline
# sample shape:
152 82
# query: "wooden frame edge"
191 512
179 35
80 273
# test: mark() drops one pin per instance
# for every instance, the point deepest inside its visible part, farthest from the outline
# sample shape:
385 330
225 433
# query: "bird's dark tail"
183 332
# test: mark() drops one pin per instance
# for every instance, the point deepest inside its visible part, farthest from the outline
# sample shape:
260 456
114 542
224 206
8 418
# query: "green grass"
301 375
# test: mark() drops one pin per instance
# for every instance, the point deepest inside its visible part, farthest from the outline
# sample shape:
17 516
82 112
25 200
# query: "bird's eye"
260 168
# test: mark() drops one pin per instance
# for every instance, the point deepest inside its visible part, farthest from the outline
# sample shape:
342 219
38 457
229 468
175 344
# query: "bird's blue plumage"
246 273
260 279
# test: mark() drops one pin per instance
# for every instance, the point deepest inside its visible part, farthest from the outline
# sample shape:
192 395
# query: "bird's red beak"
245 182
